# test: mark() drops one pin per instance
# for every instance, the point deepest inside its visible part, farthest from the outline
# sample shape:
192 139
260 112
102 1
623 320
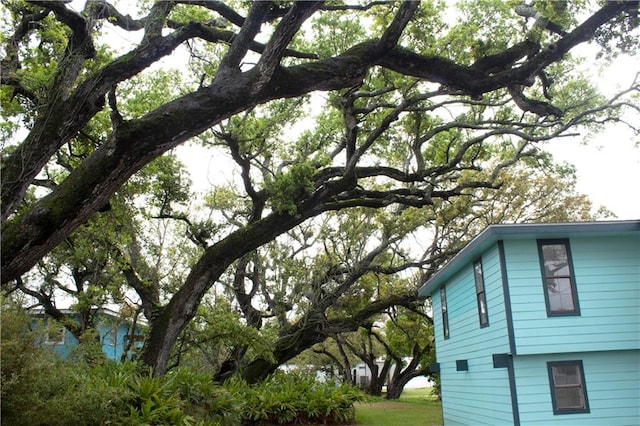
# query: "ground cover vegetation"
414 413
358 146
39 388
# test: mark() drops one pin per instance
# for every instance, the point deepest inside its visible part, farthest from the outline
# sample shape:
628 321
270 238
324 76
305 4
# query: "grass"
414 408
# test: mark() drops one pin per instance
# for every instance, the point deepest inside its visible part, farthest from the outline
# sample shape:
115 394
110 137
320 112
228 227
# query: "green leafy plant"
38 387
288 187
286 398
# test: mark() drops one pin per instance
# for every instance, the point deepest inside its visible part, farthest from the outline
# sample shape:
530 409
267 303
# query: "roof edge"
493 233
37 311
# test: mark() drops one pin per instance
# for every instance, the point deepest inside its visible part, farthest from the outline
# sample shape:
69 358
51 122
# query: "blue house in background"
115 333
539 324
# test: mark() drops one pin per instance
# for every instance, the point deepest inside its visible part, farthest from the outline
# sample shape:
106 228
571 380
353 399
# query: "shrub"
40 388
206 400
287 398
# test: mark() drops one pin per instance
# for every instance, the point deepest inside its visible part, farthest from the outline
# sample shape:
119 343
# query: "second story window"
445 315
557 273
480 293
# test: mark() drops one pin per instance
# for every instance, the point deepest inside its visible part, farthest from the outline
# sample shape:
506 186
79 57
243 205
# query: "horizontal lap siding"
607 273
478 396
612 382
481 394
114 352
70 342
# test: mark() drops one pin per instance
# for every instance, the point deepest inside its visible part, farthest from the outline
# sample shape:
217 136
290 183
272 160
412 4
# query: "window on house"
559 283
55 334
568 390
445 315
480 294
111 336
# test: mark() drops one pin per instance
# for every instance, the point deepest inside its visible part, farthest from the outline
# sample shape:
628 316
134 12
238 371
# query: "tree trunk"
401 377
313 329
167 322
292 341
374 386
396 385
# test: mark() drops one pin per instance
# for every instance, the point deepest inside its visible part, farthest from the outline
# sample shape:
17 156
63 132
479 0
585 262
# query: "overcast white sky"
608 171
608 165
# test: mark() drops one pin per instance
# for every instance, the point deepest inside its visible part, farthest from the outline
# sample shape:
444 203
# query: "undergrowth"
40 388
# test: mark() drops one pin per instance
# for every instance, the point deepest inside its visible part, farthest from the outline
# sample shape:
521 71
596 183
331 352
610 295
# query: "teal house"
539 324
117 335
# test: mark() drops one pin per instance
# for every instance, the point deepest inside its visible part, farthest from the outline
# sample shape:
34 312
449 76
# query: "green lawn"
414 408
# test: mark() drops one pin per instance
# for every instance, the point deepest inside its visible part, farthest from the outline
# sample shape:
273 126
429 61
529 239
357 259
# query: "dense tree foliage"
336 120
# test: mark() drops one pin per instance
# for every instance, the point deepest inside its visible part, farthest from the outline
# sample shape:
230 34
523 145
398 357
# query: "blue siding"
607 273
605 336
64 350
112 347
612 381
464 393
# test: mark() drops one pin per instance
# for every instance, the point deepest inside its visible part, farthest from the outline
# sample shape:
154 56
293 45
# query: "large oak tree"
69 90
